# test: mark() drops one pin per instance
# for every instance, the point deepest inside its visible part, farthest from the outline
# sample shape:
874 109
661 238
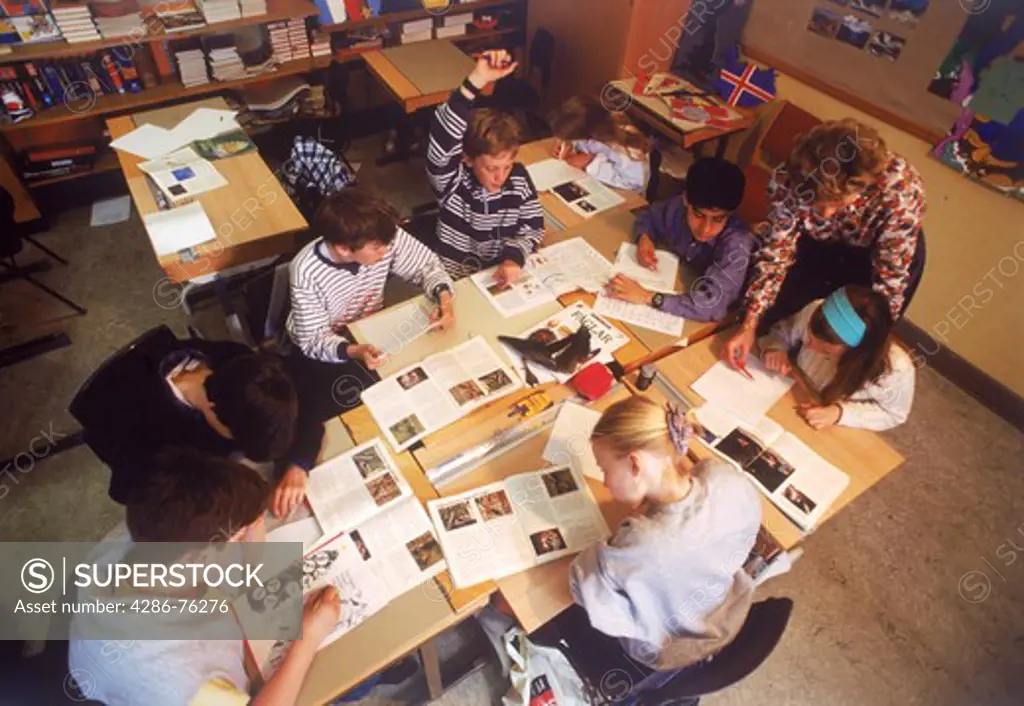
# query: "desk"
859 453
420 75
653 112
253 216
538 594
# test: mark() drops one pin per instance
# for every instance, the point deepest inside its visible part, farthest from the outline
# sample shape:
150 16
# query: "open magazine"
605 339
587 196
524 521
549 273
389 550
797 480
431 394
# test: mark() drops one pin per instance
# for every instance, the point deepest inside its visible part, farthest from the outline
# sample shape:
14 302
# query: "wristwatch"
657 300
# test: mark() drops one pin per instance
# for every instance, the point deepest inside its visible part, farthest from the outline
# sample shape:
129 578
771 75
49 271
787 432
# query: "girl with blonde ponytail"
669 585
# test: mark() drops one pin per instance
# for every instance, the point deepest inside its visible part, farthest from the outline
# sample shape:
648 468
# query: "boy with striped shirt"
339 278
489 212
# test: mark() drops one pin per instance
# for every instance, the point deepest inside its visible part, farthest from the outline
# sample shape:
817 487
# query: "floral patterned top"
886 217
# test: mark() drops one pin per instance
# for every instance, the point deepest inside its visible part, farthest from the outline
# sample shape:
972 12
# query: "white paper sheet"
569 443
661 279
203 124
147 141
640 315
747 399
110 211
306 530
179 228
549 173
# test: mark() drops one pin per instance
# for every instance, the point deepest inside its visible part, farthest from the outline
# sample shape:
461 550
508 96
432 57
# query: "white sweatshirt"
879 405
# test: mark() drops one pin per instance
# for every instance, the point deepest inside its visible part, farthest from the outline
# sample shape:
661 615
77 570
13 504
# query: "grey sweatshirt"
670 583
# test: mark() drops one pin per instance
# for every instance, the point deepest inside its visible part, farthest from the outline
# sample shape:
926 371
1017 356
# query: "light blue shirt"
614 166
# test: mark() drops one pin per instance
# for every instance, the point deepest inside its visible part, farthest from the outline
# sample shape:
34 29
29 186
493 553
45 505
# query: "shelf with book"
164 93
106 162
412 15
277 10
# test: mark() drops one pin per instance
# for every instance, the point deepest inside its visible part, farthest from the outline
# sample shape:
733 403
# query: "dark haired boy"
193 498
339 278
699 227
489 212
213 396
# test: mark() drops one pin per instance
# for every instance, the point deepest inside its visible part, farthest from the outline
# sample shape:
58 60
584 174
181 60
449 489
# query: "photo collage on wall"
868 25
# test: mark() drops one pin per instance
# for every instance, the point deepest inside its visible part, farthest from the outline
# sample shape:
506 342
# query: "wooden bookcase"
62 124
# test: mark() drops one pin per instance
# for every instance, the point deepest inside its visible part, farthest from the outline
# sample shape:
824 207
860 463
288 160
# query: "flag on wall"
744 85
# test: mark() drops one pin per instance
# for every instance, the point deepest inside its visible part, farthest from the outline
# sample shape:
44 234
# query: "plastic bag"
541 676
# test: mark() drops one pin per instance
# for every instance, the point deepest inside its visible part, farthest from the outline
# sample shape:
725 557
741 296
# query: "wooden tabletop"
861 454
654 112
403 88
253 216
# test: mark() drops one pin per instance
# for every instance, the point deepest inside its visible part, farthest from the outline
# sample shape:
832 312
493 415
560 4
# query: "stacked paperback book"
279 44
298 37
454 25
191 65
75 22
219 10
225 64
320 44
179 17
118 19
289 40
417 31
253 8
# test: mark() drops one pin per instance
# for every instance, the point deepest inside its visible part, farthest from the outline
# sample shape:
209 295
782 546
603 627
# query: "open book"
432 394
388 548
581 192
662 279
605 339
551 272
526 520
182 176
797 480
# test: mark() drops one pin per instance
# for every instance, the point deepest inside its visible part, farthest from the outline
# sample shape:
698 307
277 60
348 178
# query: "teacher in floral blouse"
844 210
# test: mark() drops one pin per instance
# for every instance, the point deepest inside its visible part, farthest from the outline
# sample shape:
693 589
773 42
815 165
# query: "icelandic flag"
744 85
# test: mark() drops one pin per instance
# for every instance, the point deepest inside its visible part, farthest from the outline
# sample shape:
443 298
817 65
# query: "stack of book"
359 41
191 64
75 21
454 25
280 47
219 10
120 18
57 160
320 44
179 16
253 8
225 63
298 38
417 31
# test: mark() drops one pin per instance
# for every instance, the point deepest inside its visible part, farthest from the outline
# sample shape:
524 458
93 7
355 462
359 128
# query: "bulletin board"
886 55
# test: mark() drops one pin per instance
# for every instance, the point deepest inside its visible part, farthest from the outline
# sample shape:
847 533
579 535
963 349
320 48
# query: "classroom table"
422 74
253 216
861 454
655 113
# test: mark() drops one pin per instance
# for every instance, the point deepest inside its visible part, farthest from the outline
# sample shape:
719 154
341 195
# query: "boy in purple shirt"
699 227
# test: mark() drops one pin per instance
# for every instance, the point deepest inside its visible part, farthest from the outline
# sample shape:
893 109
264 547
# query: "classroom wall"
972 294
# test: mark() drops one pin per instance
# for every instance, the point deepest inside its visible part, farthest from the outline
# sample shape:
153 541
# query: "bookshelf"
411 15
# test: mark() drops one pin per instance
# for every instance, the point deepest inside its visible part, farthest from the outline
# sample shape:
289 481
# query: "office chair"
12 240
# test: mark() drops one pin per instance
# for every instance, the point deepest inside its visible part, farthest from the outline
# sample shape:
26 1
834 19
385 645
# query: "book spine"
111 68
122 57
90 76
53 81
41 88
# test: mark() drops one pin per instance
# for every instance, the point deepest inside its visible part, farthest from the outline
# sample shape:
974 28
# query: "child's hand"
492 66
580 160
508 272
289 492
622 287
443 317
777 361
562 149
645 253
370 356
320 614
819 417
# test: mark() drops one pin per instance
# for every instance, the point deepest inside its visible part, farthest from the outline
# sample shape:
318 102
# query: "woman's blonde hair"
836 159
634 424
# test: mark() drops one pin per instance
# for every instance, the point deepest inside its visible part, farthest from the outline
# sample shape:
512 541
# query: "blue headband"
843 319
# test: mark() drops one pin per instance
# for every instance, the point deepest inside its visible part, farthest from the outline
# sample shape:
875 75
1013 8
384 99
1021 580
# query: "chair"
518 94
12 240
266 305
756 640
785 124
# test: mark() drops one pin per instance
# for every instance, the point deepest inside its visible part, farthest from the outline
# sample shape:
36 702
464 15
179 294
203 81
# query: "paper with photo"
587 197
527 293
178 228
813 488
548 173
570 265
429 395
569 443
605 339
510 526
747 399
660 279
350 488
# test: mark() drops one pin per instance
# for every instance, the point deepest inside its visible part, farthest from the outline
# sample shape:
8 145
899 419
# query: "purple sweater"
721 263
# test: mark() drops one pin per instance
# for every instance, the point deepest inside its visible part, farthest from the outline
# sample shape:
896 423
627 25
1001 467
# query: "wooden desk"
253 217
654 112
861 454
432 70
539 594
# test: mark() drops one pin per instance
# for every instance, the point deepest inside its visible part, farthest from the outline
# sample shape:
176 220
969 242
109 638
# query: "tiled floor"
912 596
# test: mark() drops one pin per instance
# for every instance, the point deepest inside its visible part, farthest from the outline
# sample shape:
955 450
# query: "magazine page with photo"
512 299
350 488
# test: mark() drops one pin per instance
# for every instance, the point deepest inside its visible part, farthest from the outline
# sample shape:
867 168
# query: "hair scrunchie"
679 429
